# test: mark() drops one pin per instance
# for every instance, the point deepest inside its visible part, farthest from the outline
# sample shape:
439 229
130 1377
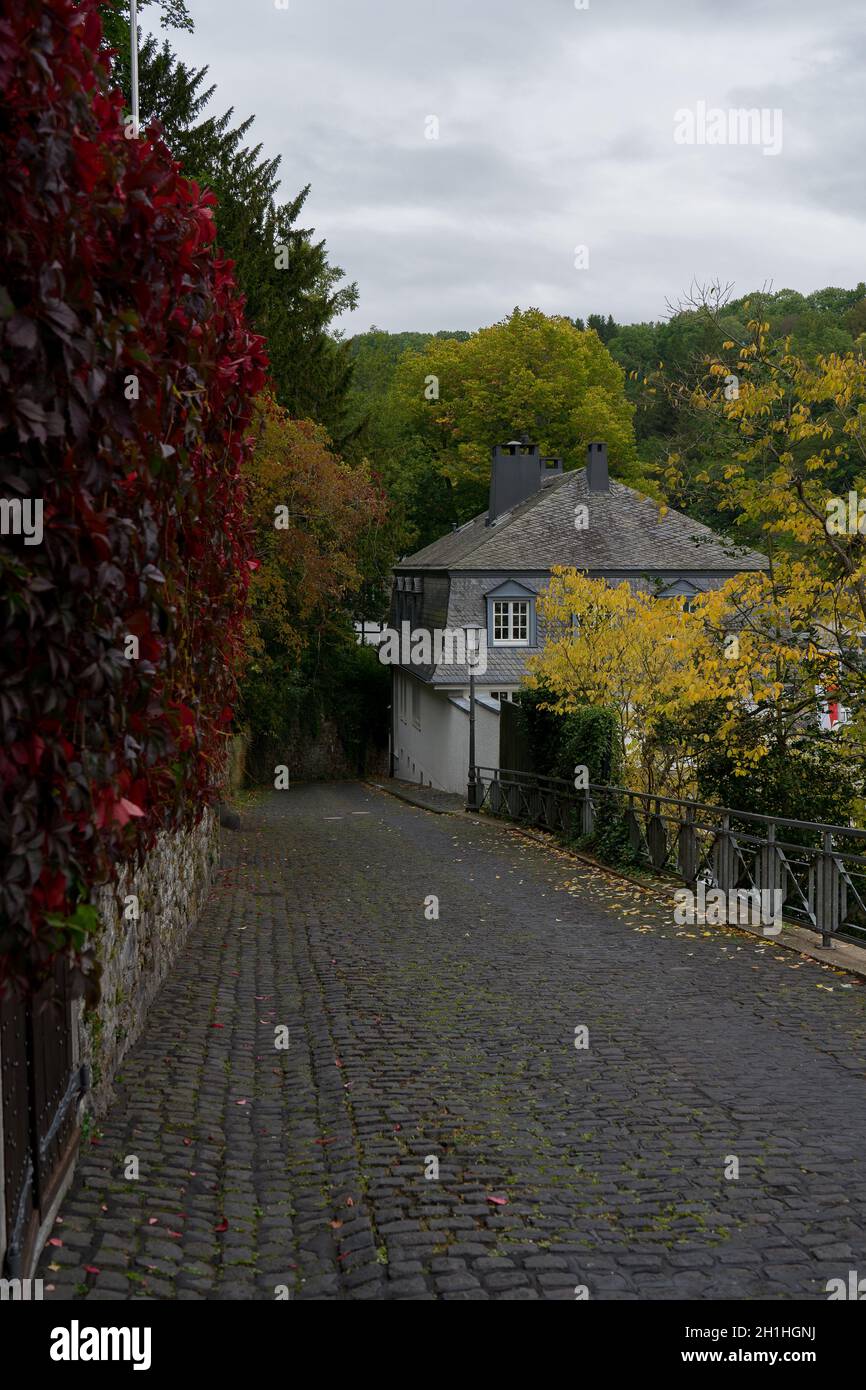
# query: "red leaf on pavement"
335 1225
153 1221
217 1025
187 1142
55 1240
91 1269
223 1225
175 1234
498 1201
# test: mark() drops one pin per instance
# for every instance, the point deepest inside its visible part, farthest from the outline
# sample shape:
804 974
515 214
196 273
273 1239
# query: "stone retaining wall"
309 759
137 952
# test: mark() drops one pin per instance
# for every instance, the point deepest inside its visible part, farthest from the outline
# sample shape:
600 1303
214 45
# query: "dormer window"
682 589
511 615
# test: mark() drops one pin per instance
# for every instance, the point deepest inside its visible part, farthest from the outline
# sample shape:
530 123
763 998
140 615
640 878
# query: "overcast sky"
556 130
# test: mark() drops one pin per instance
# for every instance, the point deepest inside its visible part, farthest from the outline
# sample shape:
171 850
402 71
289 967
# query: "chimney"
597 476
517 471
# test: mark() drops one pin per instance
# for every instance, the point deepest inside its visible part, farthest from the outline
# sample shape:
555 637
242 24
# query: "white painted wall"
438 752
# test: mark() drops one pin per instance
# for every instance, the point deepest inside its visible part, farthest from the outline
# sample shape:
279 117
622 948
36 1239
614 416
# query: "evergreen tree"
604 327
293 293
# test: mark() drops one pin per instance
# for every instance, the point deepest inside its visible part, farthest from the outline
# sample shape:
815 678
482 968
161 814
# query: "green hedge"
584 737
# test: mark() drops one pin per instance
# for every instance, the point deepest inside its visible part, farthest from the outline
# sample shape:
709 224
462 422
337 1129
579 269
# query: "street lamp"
133 61
473 645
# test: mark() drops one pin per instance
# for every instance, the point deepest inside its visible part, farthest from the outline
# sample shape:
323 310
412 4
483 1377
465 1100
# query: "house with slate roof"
490 571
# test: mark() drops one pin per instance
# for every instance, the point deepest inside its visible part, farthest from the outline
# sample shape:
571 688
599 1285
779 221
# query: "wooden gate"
41 1086
514 751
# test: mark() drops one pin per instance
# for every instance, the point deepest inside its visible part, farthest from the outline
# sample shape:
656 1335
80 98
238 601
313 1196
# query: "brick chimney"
597 476
517 471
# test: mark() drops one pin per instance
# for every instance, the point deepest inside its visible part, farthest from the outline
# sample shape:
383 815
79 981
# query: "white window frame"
507 608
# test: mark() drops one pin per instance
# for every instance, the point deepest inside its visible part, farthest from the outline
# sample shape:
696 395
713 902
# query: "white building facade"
486 576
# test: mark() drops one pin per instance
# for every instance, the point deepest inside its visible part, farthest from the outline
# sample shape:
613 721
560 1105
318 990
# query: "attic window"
511 622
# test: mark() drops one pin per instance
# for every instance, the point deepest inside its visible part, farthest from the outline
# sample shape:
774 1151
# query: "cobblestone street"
265 1171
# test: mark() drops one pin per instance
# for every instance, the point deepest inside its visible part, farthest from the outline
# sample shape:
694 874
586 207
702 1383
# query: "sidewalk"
428 798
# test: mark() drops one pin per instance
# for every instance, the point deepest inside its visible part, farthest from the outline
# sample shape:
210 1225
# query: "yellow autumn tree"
795 486
617 648
731 667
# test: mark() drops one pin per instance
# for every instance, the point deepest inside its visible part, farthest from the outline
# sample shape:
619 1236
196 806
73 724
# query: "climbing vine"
127 379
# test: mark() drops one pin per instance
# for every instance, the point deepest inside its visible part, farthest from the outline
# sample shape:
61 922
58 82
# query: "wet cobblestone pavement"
416 1042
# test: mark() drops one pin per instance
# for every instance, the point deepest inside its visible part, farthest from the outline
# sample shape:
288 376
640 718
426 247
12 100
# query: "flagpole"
133 54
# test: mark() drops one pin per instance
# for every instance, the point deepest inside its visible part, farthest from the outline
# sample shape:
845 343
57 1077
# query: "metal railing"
820 870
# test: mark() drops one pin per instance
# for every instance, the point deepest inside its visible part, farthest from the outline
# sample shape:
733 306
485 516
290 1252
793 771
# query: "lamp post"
133 59
473 632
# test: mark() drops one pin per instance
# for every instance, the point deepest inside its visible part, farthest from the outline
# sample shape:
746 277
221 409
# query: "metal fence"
820 870
40 1086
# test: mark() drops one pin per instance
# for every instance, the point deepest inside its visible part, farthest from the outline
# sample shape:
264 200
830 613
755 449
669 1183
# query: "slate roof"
625 533
506 666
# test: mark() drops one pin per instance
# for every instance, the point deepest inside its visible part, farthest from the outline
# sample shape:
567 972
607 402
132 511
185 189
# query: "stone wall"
137 953
309 758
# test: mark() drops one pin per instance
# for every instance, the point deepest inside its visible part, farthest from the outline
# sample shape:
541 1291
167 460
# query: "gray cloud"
556 128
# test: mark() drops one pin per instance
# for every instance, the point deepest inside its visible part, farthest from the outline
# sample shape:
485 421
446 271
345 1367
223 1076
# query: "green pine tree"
293 294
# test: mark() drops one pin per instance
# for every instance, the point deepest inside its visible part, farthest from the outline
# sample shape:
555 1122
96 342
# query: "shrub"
125 394
558 743
817 777
583 737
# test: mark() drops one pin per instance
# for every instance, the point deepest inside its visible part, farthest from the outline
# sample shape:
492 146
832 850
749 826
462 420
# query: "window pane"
511 620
